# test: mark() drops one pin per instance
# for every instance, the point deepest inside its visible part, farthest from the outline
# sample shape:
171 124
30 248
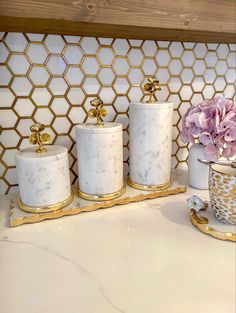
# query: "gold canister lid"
151 87
98 111
39 138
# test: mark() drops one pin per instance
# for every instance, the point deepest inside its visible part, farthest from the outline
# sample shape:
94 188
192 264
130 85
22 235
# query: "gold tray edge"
211 231
92 207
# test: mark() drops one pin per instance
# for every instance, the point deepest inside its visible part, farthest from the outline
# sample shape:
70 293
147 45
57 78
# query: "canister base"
149 187
49 208
105 197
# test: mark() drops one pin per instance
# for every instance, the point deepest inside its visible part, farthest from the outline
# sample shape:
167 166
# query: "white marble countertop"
139 258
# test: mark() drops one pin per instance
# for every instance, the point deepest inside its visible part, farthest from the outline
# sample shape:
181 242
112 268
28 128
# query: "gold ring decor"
48 208
105 197
149 187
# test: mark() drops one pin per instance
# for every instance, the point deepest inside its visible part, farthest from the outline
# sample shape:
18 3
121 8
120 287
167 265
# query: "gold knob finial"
38 138
98 111
151 87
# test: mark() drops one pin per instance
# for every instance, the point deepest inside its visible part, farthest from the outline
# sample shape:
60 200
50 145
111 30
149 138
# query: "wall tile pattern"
52 78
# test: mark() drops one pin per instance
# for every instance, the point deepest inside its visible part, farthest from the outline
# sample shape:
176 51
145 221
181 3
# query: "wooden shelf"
182 20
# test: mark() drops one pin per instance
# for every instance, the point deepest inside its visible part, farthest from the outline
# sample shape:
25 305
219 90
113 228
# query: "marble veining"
127 259
73 263
100 158
43 178
150 142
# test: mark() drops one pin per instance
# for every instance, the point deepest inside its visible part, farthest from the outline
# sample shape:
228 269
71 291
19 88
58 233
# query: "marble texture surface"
143 257
150 142
100 158
43 177
78 205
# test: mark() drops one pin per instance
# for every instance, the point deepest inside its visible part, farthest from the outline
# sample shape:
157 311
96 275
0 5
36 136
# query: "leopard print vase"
222 189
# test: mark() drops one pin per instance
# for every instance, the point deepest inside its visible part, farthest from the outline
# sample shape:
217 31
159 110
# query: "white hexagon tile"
52 78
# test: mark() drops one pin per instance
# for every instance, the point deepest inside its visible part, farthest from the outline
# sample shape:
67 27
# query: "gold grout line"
112 67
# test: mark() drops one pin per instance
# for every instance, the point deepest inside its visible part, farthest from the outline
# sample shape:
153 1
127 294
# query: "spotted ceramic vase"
222 189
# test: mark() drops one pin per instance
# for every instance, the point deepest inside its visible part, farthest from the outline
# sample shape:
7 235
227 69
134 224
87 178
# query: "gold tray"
78 205
208 224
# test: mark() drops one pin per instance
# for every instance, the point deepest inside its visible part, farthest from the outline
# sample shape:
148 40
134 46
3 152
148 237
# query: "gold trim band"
48 208
226 174
149 187
105 197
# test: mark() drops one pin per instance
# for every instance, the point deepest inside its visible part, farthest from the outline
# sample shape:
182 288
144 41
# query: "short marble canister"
150 144
100 160
44 180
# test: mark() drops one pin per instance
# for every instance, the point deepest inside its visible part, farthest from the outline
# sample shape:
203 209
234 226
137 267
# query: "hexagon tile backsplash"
52 78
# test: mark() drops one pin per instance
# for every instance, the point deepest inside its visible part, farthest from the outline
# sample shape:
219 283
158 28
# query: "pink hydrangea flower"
214 123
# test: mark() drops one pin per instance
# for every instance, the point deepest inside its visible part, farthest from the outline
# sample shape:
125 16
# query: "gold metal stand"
149 187
44 209
105 197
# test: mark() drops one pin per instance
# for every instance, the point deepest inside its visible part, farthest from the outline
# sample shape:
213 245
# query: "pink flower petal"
230 135
212 156
205 139
214 121
210 148
228 152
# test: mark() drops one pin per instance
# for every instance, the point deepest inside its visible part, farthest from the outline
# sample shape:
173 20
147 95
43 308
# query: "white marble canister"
150 130
100 160
44 180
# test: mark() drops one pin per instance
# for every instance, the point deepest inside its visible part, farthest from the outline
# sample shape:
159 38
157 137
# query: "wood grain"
195 20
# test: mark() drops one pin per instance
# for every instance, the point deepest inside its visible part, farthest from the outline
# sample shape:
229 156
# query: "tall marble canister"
100 157
43 175
150 142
